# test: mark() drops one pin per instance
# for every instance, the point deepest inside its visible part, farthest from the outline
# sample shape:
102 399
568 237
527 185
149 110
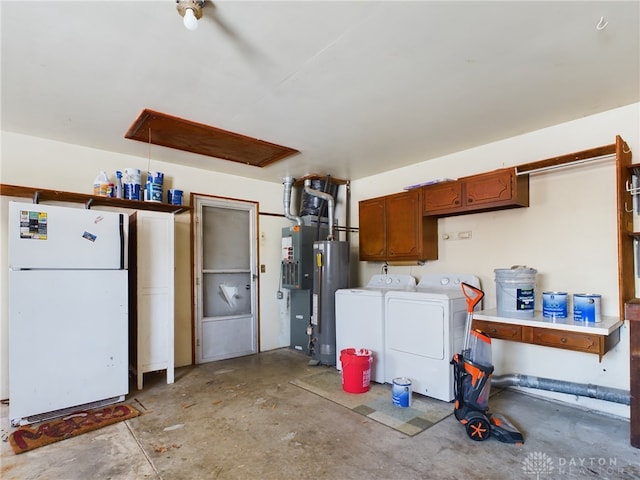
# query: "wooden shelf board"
42 194
607 326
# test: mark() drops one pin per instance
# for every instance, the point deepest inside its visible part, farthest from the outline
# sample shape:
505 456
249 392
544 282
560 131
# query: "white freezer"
68 339
48 236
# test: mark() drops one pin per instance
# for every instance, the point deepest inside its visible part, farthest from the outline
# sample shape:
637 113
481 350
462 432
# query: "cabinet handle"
563 340
457 202
493 330
469 200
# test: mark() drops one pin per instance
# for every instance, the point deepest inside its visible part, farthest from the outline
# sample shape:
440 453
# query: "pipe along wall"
608 394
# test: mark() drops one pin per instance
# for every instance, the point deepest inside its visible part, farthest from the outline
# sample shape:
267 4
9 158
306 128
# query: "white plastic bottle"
119 191
101 185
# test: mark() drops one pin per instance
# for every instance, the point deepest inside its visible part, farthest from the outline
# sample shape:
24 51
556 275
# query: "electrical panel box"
297 255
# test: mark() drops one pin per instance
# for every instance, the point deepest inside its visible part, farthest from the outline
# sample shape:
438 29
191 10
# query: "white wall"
36 162
568 234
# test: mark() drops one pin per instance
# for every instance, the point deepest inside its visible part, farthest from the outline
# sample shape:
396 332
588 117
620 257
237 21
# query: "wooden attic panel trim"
569 158
174 132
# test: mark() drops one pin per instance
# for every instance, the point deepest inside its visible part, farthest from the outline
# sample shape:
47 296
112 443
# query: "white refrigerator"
68 310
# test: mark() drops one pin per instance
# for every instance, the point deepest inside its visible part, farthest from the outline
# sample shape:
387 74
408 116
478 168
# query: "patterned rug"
376 404
28 437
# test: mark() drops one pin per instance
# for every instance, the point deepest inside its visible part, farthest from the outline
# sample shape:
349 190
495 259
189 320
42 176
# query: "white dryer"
360 318
424 328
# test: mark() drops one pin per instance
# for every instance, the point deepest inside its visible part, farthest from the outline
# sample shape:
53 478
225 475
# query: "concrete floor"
242 419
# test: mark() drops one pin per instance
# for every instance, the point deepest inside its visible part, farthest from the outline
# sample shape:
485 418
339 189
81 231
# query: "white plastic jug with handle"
101 185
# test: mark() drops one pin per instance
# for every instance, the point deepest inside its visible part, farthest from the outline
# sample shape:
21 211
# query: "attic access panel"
174 132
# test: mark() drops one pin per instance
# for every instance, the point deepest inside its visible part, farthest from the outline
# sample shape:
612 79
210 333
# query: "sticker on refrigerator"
33 225
89 236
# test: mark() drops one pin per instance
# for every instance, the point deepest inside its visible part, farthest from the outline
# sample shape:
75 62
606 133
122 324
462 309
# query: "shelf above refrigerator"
42 194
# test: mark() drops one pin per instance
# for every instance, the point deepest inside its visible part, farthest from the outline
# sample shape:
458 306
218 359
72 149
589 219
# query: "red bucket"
356 369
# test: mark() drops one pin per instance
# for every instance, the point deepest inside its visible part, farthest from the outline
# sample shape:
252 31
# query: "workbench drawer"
582 342
502 331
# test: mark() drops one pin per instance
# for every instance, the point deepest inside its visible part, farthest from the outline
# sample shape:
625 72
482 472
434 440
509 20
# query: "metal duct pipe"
324 196
288 185
608 394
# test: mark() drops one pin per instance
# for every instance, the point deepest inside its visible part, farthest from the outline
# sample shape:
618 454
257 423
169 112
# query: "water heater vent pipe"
288 185
608 394
325 196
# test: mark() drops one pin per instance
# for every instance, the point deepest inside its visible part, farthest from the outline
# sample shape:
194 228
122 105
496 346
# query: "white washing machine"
360 318
424 329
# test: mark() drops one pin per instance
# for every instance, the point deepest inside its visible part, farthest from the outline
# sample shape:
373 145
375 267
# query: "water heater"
331 272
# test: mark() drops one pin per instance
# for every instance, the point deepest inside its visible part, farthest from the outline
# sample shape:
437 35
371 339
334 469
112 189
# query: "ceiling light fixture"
191 11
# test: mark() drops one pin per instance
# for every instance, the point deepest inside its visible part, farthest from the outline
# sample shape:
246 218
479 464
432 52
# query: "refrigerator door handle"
121 226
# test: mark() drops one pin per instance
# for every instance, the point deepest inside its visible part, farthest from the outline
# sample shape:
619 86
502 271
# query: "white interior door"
225 278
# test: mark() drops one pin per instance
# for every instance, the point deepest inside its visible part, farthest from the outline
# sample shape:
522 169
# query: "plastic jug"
101 185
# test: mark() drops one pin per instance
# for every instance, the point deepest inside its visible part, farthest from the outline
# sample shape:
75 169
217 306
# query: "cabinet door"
404 225
489 188
372 228
155 293
442 198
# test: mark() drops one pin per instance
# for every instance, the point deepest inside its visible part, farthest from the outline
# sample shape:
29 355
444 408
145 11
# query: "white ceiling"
358 87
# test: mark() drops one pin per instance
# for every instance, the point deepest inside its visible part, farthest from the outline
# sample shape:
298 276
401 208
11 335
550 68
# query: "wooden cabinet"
597 338
373 229
495 190
151 293
393 228
408 236
442 198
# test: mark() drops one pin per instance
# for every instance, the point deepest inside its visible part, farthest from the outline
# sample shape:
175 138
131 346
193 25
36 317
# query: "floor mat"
376 404
28 437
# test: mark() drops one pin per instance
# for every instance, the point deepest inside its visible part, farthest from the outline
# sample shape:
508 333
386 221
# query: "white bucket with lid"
515 291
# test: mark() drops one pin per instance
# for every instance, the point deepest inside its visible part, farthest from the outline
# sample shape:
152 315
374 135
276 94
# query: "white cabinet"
151 270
